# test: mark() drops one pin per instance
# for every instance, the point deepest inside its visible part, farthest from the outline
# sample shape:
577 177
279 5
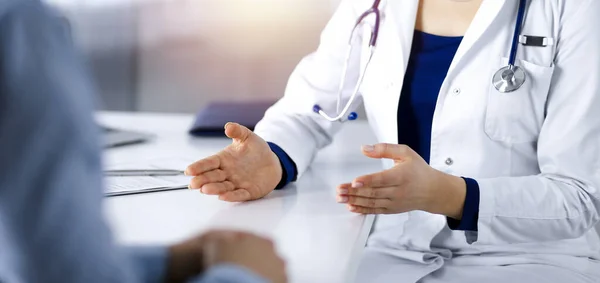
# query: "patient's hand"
252 252
199 254
245 170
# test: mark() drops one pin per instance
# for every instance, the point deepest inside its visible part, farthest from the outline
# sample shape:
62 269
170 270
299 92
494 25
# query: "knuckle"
193 183
353 191
215 188
372 202
201 179
373 193
191 169
214 162
368 179
209 189
387 147
234 176
229 185
196 182
221 174
376 179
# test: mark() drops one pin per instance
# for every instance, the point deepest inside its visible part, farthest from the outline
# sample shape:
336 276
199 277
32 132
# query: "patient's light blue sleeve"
51 224
227 273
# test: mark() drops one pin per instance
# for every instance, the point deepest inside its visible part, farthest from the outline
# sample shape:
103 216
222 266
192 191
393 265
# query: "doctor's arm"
286 140
293 130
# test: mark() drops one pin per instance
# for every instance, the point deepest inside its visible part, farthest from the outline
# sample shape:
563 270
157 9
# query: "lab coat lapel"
404 15
401 14
487 13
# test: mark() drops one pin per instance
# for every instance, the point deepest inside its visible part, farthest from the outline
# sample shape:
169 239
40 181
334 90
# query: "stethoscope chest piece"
509 79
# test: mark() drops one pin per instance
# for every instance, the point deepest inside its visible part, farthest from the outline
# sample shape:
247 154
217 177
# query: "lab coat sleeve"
562 202
290 123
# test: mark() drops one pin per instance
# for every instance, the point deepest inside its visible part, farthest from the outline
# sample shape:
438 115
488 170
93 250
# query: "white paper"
122 184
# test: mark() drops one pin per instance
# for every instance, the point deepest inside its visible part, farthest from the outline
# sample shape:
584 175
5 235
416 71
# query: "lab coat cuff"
301 152
487 211
468 221
288 166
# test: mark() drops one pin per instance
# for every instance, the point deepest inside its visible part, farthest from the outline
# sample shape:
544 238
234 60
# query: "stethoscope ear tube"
507 79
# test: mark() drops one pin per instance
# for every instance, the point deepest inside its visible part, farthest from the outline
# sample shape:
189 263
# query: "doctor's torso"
476 131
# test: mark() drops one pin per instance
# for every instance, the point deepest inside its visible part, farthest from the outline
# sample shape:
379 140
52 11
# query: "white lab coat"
535 152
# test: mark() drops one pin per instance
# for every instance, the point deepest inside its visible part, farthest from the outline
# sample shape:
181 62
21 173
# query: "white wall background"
176 55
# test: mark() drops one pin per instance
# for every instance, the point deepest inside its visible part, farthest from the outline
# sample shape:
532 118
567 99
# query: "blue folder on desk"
211 120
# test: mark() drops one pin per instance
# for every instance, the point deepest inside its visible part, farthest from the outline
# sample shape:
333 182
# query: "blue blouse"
430 59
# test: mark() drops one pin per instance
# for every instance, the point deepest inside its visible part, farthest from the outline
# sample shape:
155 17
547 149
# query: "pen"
143 191
142 172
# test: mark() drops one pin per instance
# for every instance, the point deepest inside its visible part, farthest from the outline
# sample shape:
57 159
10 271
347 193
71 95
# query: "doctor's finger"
238 195
217 188
201 166
367 210
213 176
368 192
365 202
386 178
387 150
237 132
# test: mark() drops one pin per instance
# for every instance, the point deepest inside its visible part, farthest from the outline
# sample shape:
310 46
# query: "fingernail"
225 127
342 199
343 191
368 148
186 172
357 185
353 208
201 190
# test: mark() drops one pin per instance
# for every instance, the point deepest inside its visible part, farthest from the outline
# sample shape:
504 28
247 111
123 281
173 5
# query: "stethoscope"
507 79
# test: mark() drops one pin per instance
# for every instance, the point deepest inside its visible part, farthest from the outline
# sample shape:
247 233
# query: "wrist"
184 263
449 193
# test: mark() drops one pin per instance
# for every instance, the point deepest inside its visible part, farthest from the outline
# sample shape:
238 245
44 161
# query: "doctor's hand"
410 185
245 170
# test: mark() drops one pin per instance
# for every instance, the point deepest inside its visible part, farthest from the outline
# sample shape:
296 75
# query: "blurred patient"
51 224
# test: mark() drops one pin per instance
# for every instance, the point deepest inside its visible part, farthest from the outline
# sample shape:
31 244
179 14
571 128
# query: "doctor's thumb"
386 150
237 132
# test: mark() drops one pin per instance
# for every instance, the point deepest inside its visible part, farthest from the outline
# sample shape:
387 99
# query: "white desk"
319 238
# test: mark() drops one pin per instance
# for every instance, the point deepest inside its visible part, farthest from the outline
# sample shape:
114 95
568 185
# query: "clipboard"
211 120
